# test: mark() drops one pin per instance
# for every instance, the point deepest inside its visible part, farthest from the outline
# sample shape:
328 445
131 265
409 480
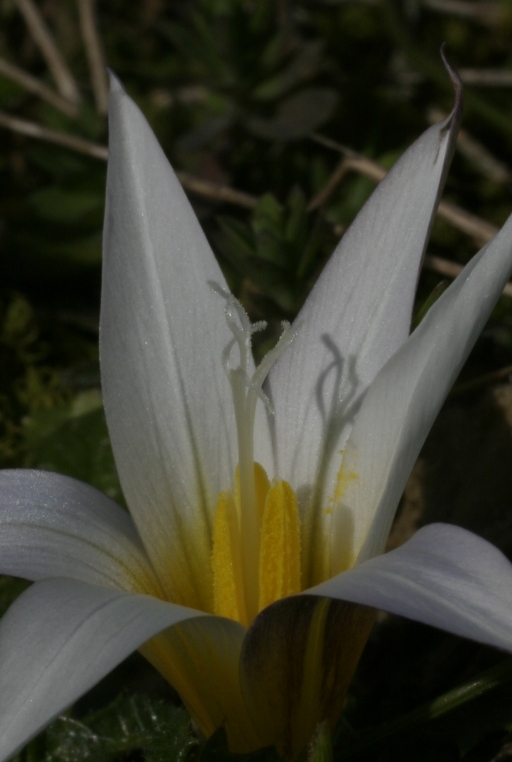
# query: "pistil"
259 522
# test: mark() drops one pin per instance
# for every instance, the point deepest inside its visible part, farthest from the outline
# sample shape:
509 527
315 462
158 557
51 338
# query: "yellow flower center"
278 571
256 533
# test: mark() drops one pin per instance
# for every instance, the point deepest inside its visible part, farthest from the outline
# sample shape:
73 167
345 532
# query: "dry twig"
452 269
487 77
94 53
468 223
477 228
34 130
63 77
458 217
216 191
323 195
488 13
503 374
35 86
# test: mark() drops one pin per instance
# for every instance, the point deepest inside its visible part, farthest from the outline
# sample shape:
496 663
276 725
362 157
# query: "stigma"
256 533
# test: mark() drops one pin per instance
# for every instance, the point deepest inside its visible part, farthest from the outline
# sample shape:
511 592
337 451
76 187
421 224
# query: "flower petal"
357 315
359 311
58 639
297 662
444 576
55 526
167 399
402 403
201 659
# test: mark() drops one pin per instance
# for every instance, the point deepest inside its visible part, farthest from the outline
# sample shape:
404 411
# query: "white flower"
347 405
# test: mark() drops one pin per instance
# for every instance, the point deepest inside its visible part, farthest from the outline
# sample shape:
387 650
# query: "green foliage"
27 382
297 116
62 205
428 303
74 440
155 729
277 254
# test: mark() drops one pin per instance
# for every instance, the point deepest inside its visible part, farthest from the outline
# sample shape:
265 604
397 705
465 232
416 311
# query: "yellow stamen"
278 574
228 597
280 545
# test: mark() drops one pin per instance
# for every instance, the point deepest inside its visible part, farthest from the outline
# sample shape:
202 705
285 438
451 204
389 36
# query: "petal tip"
115 83
457 84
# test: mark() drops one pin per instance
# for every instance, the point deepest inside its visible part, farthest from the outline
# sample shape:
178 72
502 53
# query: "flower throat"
256 533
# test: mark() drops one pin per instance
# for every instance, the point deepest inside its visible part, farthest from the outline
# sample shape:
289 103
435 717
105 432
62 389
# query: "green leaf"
205 133
321 745
161 731
84 250
303 66
428 303
236 238
268 214
297 116
296 228
74 441
55 161
349 200
63 205
268 227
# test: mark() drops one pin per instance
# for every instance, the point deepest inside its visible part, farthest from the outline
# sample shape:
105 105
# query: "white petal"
167 399
402 403
55 526
359 311
58 639
444 576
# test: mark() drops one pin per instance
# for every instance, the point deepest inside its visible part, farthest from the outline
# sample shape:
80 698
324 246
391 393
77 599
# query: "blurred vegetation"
243 94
